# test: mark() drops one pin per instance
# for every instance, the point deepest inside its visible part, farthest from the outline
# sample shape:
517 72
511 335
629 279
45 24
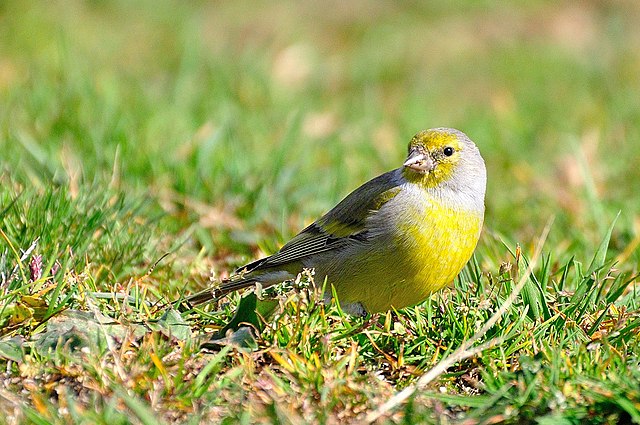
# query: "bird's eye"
448 151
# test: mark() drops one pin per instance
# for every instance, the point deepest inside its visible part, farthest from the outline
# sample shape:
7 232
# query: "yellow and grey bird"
394 240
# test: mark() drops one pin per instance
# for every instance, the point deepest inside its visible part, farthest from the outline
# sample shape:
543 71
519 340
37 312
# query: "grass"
147 148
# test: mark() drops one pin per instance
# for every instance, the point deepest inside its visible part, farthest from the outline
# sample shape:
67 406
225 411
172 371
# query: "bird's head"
444 156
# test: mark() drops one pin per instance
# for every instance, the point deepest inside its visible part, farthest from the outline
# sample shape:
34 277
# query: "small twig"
152 268
464 351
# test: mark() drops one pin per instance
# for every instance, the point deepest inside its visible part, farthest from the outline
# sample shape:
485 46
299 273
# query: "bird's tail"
210 294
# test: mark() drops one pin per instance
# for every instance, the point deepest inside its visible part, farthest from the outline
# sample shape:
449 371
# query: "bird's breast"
415 246
433 241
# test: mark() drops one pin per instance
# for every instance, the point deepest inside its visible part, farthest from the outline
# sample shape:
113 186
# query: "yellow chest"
433 247
429 244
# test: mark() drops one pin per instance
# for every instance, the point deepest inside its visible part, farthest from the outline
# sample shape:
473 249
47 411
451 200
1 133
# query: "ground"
149 148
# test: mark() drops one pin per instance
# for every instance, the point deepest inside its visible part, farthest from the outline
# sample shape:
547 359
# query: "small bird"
393 241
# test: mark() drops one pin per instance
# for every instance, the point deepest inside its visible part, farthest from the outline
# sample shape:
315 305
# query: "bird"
393 241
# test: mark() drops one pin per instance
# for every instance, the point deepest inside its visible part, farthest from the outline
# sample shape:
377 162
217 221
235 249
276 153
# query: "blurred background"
244 121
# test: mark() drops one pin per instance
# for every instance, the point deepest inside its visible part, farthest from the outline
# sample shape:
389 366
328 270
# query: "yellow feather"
438 250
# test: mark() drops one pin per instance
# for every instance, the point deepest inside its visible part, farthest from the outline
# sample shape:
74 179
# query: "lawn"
149 148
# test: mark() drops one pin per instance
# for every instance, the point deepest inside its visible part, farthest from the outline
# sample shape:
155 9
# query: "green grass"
147 147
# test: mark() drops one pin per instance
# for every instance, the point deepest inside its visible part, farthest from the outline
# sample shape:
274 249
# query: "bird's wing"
343 225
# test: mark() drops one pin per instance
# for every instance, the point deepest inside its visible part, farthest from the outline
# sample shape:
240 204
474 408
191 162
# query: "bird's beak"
420 162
